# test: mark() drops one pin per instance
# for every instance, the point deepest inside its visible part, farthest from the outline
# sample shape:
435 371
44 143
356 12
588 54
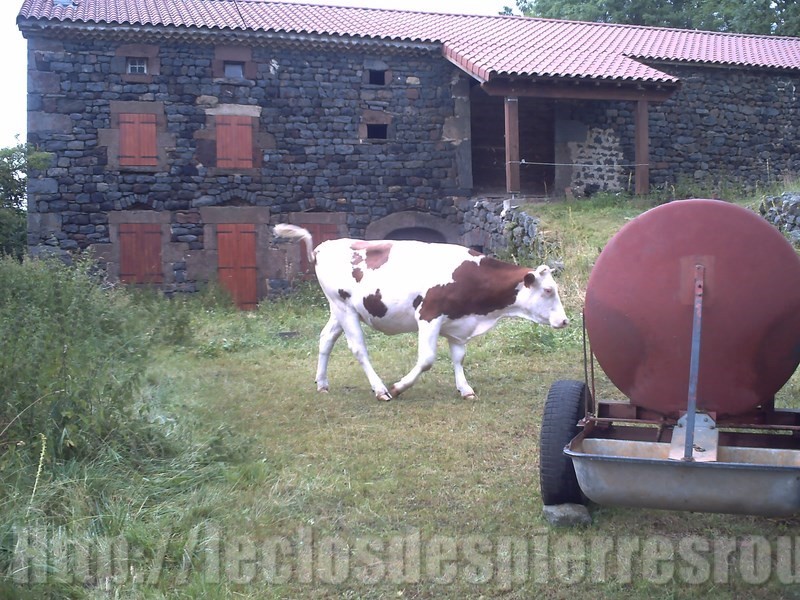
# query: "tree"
765 17
14 164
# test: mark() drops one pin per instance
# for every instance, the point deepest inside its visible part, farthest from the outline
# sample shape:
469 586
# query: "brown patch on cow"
344 294
377 253
358 274
357 259
374 304
476 289
417 302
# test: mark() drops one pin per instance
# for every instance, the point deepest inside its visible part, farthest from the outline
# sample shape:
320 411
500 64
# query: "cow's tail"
293 232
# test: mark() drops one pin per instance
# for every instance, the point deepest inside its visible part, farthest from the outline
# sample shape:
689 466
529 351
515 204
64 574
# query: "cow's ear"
530 279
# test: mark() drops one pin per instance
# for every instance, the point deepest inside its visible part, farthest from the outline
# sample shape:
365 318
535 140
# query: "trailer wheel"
564 407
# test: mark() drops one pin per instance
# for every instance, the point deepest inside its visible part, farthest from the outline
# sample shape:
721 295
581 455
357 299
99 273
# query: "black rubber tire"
564 407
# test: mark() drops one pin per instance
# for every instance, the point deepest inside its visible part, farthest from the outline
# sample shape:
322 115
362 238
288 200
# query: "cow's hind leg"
457 352
426 355
355 341
327 338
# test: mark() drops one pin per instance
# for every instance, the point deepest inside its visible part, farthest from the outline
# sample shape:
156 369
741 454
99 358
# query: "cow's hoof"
384 397
322 390
472 396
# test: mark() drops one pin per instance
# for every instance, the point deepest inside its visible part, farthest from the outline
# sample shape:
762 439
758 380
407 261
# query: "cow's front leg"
327 338
457 352
426 355
355 341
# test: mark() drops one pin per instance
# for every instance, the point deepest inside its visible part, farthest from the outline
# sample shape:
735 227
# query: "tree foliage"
765 17
12 232
14 164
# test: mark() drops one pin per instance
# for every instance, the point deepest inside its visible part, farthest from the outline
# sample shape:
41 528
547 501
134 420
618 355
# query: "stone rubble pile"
784 212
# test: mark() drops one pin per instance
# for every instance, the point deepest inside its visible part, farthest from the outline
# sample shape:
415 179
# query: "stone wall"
724 125
784 212
727 124
497 228
596 137
312 107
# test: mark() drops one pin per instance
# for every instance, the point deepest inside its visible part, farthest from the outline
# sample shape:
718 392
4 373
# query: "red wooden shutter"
140 253
237 270
234 142
137 140
320 232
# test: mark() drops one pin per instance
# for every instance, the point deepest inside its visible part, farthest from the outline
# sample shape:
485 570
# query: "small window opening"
377 131
137 66
234 70
377 77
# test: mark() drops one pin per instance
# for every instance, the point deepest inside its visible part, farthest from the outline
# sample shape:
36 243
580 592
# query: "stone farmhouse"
181 129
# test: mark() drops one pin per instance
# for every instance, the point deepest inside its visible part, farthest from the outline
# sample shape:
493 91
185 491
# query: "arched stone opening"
422 234
411 225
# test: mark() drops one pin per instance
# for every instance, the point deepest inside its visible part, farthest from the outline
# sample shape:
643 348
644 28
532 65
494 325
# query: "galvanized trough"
693 312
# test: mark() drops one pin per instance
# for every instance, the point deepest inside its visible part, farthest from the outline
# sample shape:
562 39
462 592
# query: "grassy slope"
265 457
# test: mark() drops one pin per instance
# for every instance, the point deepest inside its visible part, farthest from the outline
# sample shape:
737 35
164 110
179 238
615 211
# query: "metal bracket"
704 439
694 360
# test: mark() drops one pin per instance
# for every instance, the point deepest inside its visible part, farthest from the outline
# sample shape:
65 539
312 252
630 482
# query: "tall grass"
71 358
92 444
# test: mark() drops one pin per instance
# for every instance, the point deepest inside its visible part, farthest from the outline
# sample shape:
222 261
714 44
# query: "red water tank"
639 308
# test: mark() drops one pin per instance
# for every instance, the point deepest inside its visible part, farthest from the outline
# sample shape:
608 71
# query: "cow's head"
539 298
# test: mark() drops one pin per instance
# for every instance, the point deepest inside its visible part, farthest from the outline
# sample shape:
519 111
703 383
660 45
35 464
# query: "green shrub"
71 358
12 231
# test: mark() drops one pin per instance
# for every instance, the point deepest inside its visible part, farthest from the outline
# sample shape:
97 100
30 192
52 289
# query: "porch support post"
642 143
512 144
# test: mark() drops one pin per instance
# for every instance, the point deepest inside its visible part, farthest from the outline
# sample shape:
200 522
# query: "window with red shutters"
234 142
140 253
137 140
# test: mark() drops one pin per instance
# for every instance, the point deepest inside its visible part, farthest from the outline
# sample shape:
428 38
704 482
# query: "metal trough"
753 481
693 312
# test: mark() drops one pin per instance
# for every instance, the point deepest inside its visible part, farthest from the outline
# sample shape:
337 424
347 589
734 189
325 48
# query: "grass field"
263 488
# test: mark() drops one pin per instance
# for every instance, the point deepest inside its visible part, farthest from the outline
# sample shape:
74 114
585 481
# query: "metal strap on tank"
694 360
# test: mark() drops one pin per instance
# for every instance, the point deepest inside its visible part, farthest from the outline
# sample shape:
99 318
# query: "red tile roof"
484 46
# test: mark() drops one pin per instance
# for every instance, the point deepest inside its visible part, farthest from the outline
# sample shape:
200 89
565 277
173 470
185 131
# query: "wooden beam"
642 144
512 145
575 92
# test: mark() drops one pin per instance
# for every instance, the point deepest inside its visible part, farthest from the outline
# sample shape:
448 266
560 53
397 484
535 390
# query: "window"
136 63
377 131
136 66
376 72
234 142
233 70
140 253
137 140
233 63
378 77
375 125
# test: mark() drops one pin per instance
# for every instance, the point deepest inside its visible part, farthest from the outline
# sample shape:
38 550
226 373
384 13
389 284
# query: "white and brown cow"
435 289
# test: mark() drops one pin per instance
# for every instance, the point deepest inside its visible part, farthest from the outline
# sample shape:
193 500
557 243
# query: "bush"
12 232
71 357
